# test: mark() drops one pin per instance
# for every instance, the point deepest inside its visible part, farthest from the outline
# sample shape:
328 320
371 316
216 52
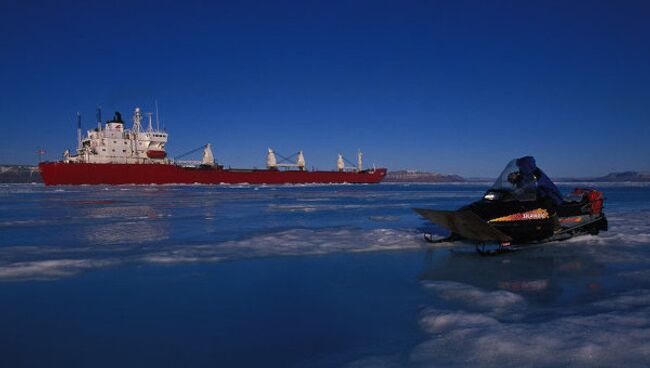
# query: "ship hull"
61 173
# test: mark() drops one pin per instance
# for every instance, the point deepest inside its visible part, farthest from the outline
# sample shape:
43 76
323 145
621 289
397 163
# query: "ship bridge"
113 143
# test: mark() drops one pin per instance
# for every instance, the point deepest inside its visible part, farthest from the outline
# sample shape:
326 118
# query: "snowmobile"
523 207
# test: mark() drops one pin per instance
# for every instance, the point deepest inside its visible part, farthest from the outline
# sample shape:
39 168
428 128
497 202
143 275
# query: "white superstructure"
112 143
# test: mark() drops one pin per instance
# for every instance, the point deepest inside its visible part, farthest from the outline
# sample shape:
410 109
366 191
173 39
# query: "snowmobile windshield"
522 180
512 184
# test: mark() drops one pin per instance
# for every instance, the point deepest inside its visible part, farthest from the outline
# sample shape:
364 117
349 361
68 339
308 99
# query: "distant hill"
19 174
410 176
626 176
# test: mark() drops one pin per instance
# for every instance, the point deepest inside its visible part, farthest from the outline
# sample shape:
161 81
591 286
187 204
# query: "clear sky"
450 86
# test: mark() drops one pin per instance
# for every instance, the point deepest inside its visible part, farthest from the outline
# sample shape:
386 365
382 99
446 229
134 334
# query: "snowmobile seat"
573 208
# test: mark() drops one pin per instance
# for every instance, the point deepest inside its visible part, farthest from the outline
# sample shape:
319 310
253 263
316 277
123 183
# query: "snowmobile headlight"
490 196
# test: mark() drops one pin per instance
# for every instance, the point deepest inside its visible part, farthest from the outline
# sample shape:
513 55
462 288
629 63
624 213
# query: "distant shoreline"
20 174
408 176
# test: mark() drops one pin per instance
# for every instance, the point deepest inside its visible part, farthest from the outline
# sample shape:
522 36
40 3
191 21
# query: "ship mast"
157 122
99 118
300 162
136 131
149 128
137 118
207 159
271 161
78 130
360 161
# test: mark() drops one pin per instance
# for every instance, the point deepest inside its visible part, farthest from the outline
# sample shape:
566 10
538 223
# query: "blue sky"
456 87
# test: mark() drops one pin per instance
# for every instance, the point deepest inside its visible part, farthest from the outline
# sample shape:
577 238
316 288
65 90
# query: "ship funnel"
301 161
340 163
271 162
117 118
208 158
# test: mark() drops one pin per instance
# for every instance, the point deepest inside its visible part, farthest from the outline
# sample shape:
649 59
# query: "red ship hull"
61 173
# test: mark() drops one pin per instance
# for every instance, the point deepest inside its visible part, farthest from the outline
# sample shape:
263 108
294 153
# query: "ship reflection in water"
123 224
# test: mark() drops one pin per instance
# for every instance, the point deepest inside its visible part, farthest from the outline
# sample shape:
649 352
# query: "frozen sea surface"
313 276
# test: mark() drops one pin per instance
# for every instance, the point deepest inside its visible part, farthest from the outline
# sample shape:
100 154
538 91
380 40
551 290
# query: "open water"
307 276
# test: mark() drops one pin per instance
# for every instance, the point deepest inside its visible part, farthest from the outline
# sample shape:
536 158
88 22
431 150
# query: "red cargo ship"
111 154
